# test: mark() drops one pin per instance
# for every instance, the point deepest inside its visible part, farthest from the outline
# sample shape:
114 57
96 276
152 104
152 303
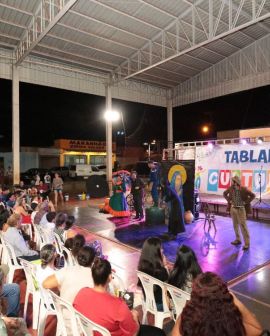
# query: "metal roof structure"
184 46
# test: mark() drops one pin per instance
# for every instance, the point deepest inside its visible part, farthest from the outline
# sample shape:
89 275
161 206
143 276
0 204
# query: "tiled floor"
254 291
122 241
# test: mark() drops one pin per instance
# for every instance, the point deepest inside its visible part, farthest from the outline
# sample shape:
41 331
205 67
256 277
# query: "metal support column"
108 96
15 125
170 125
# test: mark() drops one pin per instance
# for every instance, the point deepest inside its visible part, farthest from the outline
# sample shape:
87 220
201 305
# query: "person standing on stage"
239 199
137 186
153 181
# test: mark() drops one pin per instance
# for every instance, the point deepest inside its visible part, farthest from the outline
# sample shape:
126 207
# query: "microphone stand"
260 201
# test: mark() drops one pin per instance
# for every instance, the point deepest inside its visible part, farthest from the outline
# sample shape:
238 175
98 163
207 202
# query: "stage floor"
245 271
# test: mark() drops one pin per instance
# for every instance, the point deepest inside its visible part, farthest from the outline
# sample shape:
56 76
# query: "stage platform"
246 272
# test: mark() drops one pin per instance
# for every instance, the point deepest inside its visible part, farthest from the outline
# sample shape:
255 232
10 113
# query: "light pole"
110 116
153 142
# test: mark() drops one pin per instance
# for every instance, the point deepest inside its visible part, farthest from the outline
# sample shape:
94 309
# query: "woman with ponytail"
47 256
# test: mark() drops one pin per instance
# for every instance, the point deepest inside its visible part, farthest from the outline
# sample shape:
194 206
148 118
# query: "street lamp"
153 142
111 115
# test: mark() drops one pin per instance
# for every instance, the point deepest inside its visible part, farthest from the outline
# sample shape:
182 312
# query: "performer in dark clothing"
137 186
174 196
154 181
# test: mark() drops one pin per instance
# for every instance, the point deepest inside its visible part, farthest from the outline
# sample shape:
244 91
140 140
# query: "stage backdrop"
216 166
188 187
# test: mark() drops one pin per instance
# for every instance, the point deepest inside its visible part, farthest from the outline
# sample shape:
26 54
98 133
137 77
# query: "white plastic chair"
58 244
42 301
31 288
64 310
39 237
88 327
46 308
179 299
27 228
10 259
149 303
69 258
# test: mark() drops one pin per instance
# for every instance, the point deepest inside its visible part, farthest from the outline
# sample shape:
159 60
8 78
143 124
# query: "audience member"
107 310
11 292
47 255
60 222
35 209
77 244
153 262
185 269
44 207
69 232
14 237
10 324
213 310
4 214
71 279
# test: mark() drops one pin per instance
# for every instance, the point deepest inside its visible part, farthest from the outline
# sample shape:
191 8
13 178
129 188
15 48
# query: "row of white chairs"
47 303
178 297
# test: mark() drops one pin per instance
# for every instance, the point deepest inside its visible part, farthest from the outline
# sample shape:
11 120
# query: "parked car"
63 171
28 177
102 167
84 171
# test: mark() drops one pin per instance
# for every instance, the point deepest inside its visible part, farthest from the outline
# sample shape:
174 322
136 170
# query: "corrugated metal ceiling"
102 34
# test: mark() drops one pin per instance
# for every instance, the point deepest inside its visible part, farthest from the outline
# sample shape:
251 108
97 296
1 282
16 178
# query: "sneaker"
236 242
245 247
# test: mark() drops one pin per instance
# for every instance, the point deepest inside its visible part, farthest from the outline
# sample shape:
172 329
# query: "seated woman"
20 208
71 279
14 237
153 262
47 256
213 310
185 269
69 232
118 205
107 310
60 222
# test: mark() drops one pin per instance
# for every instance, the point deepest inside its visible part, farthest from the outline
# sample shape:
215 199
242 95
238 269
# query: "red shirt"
106 310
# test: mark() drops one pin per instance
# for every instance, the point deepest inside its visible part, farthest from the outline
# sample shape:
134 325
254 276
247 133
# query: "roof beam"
46 17
195 41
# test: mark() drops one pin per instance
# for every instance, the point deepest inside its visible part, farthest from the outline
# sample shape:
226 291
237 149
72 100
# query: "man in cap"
239 199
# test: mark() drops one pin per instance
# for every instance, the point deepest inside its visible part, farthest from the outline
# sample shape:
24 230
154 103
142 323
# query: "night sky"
47 114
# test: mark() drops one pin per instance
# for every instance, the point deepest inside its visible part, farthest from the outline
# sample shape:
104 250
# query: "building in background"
82 152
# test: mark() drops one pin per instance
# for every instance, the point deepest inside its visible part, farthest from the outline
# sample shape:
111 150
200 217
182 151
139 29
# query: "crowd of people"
212 309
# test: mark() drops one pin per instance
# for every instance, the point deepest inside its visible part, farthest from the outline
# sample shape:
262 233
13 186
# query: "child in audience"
212 310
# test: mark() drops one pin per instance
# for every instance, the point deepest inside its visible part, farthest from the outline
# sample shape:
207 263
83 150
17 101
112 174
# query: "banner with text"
216 165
